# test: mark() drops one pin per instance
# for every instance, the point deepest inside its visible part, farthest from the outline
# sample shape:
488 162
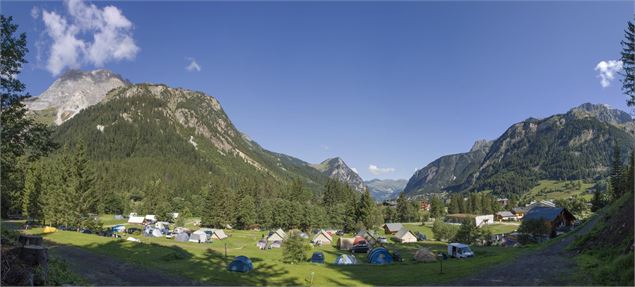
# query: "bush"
468 233
532 230
444 231
59 274
294 250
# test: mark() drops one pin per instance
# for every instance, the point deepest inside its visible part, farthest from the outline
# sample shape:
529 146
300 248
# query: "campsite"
207 263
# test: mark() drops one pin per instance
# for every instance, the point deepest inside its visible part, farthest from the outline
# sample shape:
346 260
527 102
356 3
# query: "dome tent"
425 255
182 237
345 259
240 264
318 257
379 255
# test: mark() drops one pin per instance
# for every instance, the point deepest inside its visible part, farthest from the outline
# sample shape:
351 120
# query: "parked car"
459 250
360 247
382 240
340 233
86 231
132 230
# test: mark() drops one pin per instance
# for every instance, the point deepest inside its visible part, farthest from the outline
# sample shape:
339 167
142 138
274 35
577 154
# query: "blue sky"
392 85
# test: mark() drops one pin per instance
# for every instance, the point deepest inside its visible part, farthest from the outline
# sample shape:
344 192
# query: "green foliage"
367 211
294 249
533 230
23 140
60 275
406 211
443 231
576 205
437 207
628 64
467 233
246 212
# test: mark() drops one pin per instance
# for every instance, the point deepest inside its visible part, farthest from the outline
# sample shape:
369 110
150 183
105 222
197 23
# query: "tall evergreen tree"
403 208
365 212
437 208
628 63
31 201
20 135
246 212
617 172
454 206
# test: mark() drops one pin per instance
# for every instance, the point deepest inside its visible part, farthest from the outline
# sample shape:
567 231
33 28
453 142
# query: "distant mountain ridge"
336 168
385 189
576 144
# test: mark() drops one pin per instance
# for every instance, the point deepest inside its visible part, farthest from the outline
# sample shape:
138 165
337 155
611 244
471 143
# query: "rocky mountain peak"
336 168
72 92
603 113
481 145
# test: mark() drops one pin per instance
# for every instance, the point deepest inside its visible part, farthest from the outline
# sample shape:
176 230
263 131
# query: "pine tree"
455 206
628 63
402 208
246 212
365 210
214 214
617 172
31 201
437 208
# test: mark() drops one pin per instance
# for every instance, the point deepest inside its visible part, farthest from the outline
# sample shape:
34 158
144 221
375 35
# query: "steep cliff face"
577 144
336 168
74 91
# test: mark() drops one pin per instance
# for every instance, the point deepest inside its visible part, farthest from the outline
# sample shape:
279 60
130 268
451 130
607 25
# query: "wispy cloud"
379 170
607 70
193 66
35 12
87 34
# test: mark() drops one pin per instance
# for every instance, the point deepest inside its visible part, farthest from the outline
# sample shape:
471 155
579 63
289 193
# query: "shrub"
444 231
294 250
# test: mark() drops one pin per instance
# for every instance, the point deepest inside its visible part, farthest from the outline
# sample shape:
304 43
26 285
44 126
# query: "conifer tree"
617 172
246 212
628 63
365 210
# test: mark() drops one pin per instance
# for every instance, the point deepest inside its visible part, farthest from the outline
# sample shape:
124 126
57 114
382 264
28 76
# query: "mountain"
577 144
73 91
448 171
384 189
336 168
141 133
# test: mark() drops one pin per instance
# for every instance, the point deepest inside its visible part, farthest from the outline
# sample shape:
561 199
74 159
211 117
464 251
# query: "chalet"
505 216
404 236
519 211
424 205
502 201
392 228
556 217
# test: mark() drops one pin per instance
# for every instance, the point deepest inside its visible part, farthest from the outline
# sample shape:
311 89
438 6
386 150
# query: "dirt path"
553 265
103 270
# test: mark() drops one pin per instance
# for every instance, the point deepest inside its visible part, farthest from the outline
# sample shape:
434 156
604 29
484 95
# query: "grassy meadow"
554 189
206 262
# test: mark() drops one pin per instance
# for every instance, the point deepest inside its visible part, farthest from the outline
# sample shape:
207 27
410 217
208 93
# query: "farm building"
424 205
322 237
404 236
392 228
277 235
557 217
505 216
345 243
519 211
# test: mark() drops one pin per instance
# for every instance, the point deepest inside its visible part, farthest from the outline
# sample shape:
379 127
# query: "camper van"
459 250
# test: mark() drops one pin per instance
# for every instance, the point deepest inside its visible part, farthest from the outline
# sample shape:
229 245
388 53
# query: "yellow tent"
49 229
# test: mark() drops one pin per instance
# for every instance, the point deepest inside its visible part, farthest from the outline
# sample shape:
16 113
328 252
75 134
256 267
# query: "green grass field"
502 228
553 189
206 262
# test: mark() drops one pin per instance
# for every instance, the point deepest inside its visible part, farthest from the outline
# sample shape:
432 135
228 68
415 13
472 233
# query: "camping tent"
345 243
357 239
162 225
136 219
240 264
404 236
181 229
276 244
119 228
119 217
49 229
345 259
318 257
218 234
392 228
151 217
379 255
322 238
304 235
425 255
262 244
182 237
277 235
198 237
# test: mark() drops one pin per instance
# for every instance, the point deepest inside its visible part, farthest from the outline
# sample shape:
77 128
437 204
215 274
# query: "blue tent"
318 257
119 228
345 259
379 255
240 264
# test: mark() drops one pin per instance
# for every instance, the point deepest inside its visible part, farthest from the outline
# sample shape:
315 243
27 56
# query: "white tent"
405 236
157 233
151 217
322 237
218 234
135 219
198 237
277 235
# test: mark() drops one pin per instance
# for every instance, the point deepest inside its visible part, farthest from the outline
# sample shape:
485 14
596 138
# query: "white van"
459 250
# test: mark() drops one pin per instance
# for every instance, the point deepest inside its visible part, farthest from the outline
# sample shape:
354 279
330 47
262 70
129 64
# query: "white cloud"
193 66
379 170
355 170
89 35
607 71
